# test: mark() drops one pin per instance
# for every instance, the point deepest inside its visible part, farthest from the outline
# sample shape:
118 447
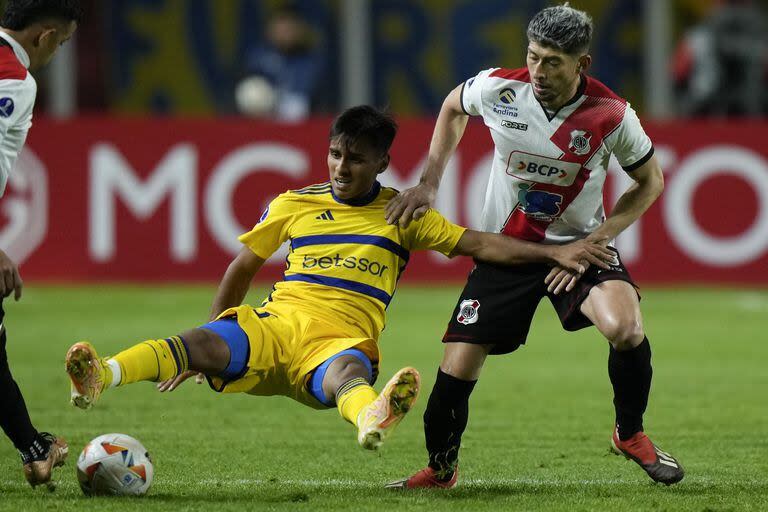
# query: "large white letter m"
112 176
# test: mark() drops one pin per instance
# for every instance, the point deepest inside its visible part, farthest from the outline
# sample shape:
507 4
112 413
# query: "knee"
462 371
464 361
206 351
342 370
622 333
350 368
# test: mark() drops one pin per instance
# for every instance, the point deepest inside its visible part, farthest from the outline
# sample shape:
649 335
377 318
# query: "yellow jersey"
344 260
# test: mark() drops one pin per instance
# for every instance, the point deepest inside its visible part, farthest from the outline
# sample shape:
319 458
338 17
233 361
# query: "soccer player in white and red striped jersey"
30 33
554 129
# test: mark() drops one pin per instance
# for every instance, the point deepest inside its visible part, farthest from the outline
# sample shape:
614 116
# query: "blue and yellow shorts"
282 349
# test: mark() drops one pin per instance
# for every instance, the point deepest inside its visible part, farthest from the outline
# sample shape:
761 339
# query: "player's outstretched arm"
414 202
648 186
496 248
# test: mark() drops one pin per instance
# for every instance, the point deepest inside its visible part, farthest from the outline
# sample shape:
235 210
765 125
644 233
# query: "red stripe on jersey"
598 89
520 226
597 117
593 120
519 74
10 67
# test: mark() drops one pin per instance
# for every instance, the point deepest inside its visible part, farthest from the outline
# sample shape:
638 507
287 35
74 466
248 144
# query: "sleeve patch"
6 107
264 216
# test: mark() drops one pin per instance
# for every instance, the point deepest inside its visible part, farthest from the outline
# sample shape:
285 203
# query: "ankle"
37 450
112 373
443 473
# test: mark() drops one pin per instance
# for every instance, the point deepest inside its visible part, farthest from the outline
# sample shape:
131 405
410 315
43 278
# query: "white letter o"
678 211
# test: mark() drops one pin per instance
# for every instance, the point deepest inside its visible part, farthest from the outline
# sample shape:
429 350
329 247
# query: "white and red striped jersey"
546 182
18 90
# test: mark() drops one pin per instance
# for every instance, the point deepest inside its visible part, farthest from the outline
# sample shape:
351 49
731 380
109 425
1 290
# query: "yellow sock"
352 397
154 360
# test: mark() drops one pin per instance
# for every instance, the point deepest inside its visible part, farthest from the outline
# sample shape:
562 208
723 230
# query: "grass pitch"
539 428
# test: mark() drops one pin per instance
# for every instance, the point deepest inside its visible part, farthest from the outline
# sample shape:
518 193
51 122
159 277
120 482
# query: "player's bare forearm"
505 250
648 186
496 248
413 203
236 281
449 129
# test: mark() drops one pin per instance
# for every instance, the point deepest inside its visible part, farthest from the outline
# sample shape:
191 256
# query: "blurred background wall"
164 129
186 56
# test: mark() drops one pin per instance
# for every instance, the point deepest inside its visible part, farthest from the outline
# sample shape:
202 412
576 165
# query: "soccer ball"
114 464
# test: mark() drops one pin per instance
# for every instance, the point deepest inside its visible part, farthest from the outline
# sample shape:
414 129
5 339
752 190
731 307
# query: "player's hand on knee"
579 255
410 204
560 279
10 279
569 257
595 253
598 239
171 384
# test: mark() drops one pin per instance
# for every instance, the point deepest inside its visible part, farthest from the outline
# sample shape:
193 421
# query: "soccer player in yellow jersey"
315 337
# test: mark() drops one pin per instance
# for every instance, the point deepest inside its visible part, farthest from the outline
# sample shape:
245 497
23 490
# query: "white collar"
19 50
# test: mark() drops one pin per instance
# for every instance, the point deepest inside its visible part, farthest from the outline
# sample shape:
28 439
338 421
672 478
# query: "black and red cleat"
660 466
425 479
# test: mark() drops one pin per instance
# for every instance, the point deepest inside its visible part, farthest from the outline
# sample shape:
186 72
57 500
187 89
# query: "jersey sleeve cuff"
255 249
461 98
639 163
459 233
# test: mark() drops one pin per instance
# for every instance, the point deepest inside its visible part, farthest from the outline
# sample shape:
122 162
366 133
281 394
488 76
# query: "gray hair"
562 27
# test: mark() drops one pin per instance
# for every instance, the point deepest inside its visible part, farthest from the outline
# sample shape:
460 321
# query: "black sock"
37 450
14 417
445 420
630 372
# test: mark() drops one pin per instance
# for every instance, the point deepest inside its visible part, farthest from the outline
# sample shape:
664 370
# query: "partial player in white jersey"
30 33
549 165
554 129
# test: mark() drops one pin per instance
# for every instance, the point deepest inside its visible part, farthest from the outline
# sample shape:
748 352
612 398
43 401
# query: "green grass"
537 437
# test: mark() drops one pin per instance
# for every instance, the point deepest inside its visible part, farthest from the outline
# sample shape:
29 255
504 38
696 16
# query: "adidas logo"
326 215
666 458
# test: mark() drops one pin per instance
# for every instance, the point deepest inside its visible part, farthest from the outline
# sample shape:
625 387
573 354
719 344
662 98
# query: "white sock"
117 374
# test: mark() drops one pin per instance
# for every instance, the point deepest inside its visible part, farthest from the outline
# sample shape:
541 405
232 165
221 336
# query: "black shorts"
498 302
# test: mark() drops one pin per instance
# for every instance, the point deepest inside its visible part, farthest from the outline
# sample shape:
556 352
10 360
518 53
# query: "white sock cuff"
117 373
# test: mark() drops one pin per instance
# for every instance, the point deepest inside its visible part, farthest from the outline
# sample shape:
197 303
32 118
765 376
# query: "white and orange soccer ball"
114 464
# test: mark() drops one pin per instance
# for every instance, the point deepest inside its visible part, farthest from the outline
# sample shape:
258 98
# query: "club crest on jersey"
580 142
468 311
539 204
6 107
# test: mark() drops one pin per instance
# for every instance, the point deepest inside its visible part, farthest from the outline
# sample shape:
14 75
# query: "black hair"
20 14
368 123
562 27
